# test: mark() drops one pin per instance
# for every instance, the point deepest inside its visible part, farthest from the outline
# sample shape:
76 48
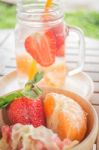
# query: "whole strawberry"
25 106
26 111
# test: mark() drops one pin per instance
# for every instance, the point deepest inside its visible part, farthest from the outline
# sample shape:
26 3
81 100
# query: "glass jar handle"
81 54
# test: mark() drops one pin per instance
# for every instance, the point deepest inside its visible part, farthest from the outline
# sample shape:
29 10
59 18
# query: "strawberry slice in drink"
42 47
59 33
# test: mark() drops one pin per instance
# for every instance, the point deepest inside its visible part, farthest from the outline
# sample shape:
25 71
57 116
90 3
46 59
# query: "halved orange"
65 116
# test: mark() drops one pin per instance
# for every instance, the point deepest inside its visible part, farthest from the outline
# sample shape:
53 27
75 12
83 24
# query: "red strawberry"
26 111
59 33
25 106
42 47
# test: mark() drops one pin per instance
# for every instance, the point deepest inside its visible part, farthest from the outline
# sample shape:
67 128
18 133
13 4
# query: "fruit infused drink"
40 39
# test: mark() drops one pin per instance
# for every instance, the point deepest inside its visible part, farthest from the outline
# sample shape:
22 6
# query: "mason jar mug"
40 43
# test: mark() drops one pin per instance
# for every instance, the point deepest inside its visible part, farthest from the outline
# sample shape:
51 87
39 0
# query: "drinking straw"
48 4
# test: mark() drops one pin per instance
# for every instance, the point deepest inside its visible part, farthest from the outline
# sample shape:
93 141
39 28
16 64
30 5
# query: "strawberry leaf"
30 84
29 94
30 90
33 93
38 77
5 100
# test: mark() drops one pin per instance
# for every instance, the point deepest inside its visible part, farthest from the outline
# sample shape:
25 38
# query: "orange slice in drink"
26 65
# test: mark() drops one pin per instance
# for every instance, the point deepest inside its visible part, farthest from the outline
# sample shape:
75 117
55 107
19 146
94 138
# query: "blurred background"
82 13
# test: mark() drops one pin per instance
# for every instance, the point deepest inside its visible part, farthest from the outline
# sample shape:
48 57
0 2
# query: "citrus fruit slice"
65 116
26 65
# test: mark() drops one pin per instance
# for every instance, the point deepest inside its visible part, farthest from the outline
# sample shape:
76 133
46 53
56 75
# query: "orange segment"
26 65
62 125
65 129
49 105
